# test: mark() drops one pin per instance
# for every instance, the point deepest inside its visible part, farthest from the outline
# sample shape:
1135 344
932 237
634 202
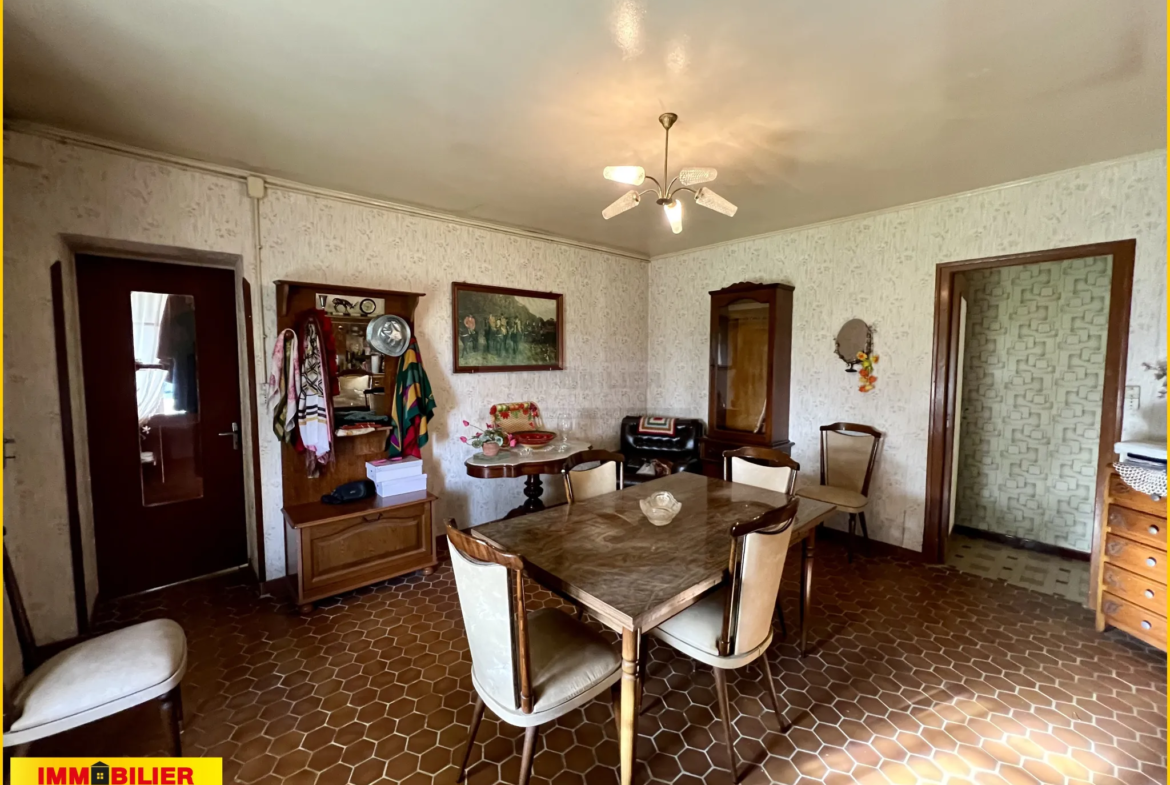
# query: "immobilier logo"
117 771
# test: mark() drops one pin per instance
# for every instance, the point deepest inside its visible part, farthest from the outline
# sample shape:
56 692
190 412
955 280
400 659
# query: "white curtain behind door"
146 311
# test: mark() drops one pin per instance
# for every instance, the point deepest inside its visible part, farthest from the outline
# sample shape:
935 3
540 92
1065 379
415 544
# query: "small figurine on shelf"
491 439
866 373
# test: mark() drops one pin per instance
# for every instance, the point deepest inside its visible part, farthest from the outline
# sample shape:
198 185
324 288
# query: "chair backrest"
490 584
758 548
761 467
582 484
682 444
24 634
848 453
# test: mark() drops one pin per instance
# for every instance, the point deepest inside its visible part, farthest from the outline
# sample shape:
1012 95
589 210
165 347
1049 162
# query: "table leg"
807 547
533 488
631 692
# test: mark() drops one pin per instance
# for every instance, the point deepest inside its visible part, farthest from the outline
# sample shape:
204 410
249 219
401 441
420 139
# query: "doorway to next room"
1029 376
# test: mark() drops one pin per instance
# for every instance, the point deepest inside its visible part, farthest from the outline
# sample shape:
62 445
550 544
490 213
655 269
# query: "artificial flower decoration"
490 433
866 373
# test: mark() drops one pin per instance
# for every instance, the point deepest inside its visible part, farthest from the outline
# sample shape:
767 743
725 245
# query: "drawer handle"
1151 562
1149 594
374 516
1146 625
1153 530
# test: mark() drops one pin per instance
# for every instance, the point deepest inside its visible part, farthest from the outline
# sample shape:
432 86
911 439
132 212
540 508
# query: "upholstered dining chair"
848 453
530 668
94 678
732 627
762 467
607 477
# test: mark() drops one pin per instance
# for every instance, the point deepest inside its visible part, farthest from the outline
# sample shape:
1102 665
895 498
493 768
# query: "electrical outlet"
1133 397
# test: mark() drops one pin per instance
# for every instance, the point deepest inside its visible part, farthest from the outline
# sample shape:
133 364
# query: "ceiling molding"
96 143
934 200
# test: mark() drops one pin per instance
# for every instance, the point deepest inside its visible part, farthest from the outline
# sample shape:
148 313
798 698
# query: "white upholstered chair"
608 476
94 678
732 627
530 668
761 467
848 453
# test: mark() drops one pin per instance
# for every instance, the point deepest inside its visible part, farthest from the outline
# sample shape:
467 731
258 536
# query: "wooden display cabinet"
750 367
331 549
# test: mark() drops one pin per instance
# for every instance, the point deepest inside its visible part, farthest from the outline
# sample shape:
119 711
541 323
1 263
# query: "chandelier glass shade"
666 195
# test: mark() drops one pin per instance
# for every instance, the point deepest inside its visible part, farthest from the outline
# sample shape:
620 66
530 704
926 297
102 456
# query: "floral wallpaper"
1033 371
880 268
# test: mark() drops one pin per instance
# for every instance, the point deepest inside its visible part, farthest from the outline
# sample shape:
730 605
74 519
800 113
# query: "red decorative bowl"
534 438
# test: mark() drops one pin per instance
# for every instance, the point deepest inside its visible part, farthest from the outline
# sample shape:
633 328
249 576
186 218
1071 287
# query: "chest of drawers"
1131 590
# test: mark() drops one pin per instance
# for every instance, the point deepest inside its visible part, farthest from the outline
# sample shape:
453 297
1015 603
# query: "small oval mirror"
854 337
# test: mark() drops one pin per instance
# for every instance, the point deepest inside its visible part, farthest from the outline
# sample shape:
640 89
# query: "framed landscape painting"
499 329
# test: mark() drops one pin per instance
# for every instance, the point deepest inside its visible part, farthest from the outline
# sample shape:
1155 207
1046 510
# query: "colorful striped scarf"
413 406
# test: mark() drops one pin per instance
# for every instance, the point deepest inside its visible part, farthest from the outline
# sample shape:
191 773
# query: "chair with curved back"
530 668
762 467
607 477
732 626
93 678
848 453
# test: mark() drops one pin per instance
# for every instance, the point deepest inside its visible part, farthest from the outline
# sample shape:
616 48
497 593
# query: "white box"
402 485
394 470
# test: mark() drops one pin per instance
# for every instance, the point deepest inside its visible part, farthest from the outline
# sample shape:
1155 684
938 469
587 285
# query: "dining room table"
632 575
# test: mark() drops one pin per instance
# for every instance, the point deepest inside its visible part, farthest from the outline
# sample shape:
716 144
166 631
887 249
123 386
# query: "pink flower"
463 439
478 434
465 422
511 441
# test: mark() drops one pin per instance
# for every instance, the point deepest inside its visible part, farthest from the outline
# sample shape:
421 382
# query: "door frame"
75 245
938 462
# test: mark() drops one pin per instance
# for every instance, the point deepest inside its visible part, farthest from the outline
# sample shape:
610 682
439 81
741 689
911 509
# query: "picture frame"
495 329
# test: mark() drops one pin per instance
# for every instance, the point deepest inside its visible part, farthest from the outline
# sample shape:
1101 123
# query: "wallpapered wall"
1031 412
880 268
55 189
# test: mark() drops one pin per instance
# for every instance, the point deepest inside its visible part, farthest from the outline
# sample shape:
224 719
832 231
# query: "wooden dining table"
632 575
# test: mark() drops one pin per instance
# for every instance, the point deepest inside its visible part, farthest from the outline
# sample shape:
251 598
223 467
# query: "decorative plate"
534 438
389 335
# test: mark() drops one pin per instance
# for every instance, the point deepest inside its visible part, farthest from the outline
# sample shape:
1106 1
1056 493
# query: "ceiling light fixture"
695 175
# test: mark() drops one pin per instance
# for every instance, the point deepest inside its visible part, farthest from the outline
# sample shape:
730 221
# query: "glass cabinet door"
741 366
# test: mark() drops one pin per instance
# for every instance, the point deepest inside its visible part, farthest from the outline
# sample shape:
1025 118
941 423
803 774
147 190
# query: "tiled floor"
922 674
1042 572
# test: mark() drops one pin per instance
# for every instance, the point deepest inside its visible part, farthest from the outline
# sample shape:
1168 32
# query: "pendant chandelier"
667 194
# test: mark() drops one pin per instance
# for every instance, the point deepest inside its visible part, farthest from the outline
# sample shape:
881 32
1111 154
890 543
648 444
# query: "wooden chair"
582 484
764 468
761 467
530 668
848 453
732 627
94 678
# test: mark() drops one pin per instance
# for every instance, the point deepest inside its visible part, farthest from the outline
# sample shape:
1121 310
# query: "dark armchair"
674 453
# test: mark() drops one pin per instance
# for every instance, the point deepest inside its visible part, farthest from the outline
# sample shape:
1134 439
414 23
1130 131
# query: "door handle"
235 434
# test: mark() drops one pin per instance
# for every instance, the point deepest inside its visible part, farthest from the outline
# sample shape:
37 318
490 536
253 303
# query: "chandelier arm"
685 188
670 193
647 191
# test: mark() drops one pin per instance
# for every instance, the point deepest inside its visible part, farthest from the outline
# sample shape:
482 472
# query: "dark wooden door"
162 398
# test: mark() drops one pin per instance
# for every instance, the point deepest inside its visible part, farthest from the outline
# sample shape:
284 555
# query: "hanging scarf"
314 424
284 386
413 406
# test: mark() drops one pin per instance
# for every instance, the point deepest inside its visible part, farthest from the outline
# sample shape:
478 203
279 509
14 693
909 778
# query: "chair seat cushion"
845 499
696 630
569 663
99 677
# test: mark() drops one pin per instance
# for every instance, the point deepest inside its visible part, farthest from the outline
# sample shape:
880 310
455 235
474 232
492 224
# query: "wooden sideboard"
333 548
1131 590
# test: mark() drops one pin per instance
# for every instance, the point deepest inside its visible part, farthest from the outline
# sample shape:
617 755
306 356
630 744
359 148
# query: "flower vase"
491 449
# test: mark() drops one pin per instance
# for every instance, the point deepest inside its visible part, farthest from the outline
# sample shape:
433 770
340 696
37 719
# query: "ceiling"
507 110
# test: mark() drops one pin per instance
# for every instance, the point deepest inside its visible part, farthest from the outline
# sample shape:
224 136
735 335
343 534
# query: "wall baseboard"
863 546
1022 543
